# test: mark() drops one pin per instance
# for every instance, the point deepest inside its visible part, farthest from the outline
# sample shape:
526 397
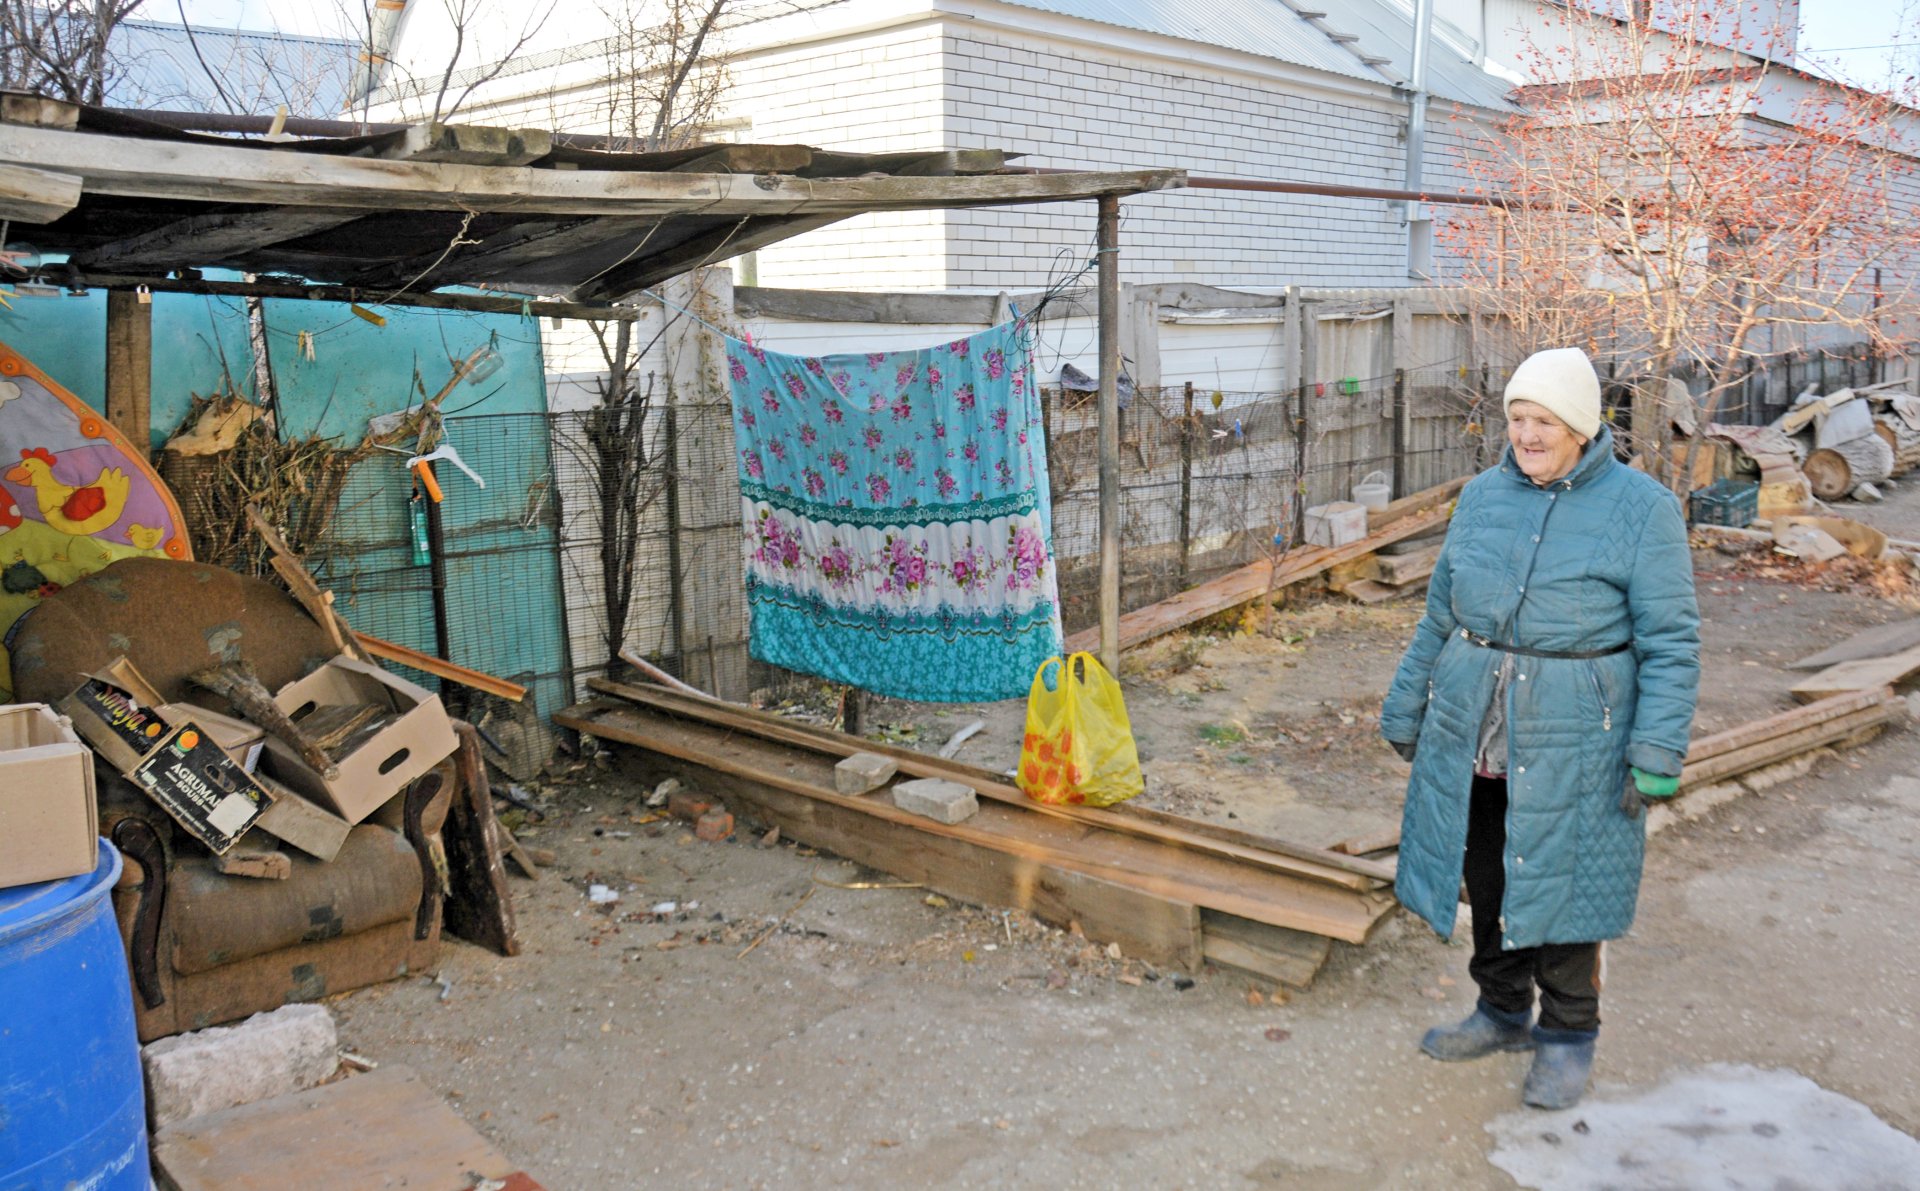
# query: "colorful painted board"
74 495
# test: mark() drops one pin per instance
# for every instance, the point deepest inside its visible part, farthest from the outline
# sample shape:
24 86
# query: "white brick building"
1250 89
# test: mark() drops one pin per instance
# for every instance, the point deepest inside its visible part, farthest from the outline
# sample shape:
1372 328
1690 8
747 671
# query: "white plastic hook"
452 456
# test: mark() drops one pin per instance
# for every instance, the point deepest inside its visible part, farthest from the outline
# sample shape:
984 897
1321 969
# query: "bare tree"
1681 207
663 84
59 48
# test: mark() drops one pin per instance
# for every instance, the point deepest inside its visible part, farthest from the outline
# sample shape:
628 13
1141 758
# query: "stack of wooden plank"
1387 574
1777 738
1172 891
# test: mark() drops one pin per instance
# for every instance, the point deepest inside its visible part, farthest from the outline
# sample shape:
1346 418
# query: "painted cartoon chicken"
80 511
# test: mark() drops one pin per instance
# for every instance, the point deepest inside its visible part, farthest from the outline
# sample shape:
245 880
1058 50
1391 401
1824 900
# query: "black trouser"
1568 974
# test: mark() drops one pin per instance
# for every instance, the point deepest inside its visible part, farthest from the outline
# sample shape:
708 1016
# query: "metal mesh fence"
1212 480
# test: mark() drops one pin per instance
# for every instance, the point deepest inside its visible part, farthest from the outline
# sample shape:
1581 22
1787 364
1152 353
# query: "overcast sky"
1856 40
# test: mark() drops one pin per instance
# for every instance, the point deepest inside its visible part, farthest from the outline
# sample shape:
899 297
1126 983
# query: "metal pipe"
1331 190
1107 243
1419 249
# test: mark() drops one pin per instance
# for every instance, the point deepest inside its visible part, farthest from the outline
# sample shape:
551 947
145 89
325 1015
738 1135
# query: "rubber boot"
1562 1060
1487 1031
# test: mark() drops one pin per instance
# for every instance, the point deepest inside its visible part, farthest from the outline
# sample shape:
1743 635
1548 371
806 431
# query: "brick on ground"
937 799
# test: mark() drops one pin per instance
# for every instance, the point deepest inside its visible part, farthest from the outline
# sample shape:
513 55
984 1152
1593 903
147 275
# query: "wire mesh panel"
501 600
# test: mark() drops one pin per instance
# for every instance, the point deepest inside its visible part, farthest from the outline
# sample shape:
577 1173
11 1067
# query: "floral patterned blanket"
896 515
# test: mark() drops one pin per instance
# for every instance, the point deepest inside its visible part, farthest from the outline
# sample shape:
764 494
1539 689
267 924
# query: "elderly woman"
1548 689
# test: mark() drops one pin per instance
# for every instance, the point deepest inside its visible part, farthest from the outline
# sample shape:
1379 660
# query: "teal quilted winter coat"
1593 559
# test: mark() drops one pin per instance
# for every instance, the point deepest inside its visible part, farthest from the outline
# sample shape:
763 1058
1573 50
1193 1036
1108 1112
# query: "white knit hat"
1563 381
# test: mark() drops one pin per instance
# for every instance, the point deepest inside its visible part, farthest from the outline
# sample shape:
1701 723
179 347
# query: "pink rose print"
872 438
1003 475
769 402
972 453
902 408
1023 438
944 479
963 397
904 377
906 566
1027 555
809 436
778 448
877 404
999 418
796 385
755 468
838 462
960 347
836 565
996 364
814 366
833 413
736 369
779 546
759 355
903 459
845 502
816 483
878 489
841 382
875 359
1019 381
939 429
933 376
747 419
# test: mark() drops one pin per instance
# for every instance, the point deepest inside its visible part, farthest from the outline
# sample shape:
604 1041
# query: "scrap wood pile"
1844 445
1172 891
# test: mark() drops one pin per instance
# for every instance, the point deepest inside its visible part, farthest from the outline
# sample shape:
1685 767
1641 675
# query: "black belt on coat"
1524 651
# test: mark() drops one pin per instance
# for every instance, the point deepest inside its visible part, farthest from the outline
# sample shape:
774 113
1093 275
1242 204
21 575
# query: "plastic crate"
1726 502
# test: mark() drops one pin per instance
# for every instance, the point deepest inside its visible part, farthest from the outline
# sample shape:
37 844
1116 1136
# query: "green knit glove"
1653 785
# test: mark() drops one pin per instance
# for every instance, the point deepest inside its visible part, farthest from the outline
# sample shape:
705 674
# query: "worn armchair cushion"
219 920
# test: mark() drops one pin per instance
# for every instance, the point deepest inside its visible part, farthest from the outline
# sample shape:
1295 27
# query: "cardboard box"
298 823
178 764
420 737
240 740
1338 524
48 822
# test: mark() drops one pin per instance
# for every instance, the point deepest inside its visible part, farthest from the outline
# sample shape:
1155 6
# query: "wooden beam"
199 241
18 107
500 254
440 668
537 307
141 168
1253 582
813 305
1107 247
1213 882
1294 859
1759 731
460 144
36 196
130 368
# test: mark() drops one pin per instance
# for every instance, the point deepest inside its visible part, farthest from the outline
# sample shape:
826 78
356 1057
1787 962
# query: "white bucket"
1375 491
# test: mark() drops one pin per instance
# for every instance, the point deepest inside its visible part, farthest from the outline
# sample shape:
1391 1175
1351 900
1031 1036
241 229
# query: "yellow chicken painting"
81 511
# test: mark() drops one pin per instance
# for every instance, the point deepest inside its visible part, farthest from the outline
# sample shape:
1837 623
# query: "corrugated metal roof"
161 68
1270 29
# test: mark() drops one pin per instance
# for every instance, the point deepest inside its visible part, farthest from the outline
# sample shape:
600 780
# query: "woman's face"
1545 448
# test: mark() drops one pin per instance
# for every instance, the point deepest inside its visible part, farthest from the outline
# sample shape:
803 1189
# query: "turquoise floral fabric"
895 506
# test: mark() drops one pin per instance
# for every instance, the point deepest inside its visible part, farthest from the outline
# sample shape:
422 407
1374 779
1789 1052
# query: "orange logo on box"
153 729
188 739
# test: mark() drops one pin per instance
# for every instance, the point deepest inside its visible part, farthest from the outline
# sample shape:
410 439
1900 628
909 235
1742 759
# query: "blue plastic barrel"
73 1113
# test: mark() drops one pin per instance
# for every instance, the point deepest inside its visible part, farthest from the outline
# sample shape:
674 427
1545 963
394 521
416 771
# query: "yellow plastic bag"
1079 744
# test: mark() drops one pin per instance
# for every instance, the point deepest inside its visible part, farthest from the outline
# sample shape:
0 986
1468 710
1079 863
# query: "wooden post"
1401 464
1186 485
1108 250
676 564
130 368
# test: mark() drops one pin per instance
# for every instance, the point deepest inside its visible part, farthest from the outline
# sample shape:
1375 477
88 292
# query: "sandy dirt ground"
793 1022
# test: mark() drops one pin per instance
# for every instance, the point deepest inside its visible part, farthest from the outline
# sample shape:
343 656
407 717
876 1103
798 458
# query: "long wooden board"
1300 860
1876 642
1782 723
1163 870
1780 748
1252 582
1866 674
